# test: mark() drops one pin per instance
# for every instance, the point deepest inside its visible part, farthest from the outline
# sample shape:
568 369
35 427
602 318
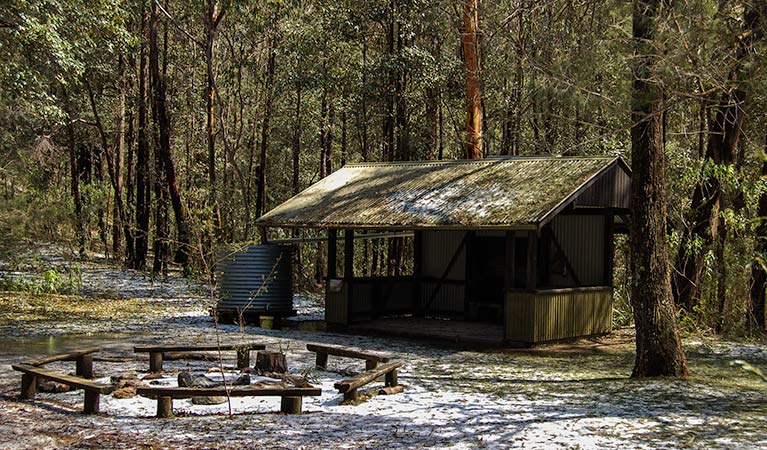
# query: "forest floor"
569 396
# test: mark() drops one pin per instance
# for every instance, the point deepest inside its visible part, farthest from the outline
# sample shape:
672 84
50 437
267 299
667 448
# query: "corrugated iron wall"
258 280
558 314
583 242
613 190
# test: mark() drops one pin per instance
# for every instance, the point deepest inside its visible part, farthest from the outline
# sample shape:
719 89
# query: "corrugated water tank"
257 281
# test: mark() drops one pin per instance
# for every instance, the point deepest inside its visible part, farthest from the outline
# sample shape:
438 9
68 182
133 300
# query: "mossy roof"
494 193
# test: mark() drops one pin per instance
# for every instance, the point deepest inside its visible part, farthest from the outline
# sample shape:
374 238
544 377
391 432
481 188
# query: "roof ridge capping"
490 159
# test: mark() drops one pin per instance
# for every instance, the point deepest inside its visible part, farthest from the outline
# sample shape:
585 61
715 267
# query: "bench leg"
322 361
351 395
291 405
243 358
164 407
391 378
92 400
155 362
84 366
370 365
28 386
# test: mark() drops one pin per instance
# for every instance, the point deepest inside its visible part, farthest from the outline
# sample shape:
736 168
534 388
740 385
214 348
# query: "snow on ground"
565 396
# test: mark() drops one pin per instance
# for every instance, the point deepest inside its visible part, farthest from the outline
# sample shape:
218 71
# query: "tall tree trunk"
118 212
755 317
114 162
143 188
658 345
297 142
723 141
387 153
364 127
163 125
344 148
213 18
74 169
130 176
473 86
261 194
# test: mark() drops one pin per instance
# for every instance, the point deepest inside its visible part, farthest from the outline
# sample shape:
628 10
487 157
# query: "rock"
210 400
186 379
242 380
153 376
52 387
125 392
124 376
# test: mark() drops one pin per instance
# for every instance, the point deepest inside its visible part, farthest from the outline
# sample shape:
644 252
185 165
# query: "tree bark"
213 18
261 193
473 86
143 189
659 349
297 142
755 316
164 150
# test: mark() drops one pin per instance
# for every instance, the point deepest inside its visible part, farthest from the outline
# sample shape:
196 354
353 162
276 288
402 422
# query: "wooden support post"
84 366
322 361
370 365
532 260
391 378
291 405
351 395
417 272
243 357
92 400
348 255
509 274
332 254
155 362
164 407
28 386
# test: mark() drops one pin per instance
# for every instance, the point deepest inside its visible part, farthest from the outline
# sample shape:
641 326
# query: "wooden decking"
446 331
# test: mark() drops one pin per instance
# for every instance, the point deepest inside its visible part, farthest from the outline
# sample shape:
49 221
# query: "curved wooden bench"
83 360
349 386
92 389
156 352
371 359
291 402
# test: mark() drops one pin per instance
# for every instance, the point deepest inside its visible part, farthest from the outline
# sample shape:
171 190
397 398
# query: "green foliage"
50 281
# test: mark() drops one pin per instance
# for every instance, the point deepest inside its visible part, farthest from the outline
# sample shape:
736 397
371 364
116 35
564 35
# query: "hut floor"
453 331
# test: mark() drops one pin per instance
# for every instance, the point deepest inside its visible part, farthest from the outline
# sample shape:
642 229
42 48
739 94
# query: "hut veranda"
513 250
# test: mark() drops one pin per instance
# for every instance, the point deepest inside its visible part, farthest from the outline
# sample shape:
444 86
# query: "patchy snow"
562 396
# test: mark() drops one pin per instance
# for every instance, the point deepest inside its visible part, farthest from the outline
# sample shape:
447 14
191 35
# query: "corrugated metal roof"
489 193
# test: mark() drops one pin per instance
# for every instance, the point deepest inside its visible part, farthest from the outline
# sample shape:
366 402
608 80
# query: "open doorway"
486 278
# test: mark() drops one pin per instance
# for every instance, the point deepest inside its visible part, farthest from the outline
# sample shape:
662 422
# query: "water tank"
256 281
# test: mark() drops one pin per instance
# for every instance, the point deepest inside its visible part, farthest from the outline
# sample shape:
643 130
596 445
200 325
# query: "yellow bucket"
266 322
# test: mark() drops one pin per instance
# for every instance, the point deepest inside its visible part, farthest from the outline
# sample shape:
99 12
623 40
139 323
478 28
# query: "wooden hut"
515 250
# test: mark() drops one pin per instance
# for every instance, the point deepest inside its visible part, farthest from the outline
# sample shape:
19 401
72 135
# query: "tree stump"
273 362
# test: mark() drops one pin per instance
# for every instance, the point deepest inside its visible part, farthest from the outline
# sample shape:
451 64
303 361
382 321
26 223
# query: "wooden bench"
291 402
349 386
322 351
156 352
92 389
83 360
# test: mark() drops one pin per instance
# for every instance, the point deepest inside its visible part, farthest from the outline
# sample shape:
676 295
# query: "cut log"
368 376
391 390
271 362
346 352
